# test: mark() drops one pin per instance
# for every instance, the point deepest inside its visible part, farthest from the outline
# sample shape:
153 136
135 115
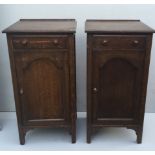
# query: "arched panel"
55 61
43 90
117 89
119 60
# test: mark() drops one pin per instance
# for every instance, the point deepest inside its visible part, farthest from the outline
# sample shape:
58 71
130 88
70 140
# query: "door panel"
43 85
116 85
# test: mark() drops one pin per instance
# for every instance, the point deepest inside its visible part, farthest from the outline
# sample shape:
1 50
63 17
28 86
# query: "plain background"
11 13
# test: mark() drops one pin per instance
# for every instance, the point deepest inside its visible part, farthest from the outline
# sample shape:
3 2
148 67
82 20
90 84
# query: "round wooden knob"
104 42
55 42
135 42
24 42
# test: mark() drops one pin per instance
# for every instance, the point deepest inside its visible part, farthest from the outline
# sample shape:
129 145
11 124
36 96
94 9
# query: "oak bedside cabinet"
42 58
118 57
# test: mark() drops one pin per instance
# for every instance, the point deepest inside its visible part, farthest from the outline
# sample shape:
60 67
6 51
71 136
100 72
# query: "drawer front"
40 42
119 42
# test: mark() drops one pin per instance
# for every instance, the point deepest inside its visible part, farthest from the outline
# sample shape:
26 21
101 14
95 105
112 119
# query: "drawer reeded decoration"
42 58
118 57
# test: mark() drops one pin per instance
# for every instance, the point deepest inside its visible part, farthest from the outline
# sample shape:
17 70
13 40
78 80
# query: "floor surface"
59 139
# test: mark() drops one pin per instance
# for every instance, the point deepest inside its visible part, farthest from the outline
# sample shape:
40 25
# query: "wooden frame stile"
89 76
73 86
21 130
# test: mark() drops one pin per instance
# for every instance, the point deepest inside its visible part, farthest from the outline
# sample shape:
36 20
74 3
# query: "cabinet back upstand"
42 59
118 57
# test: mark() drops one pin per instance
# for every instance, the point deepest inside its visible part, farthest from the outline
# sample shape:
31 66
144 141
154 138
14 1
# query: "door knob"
95 89
21 91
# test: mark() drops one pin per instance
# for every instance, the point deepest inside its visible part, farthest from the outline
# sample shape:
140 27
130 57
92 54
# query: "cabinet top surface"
42 26
117 26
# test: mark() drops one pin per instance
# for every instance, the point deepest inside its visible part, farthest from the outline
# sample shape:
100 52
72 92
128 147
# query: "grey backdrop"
11 13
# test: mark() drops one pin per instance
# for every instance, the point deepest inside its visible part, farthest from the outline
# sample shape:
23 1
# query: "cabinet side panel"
145 78
89 78
14 80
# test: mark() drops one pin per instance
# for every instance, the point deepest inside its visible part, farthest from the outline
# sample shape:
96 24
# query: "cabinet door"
43 86
116 85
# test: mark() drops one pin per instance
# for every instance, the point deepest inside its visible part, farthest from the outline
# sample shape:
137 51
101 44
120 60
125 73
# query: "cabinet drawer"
119 42
39 42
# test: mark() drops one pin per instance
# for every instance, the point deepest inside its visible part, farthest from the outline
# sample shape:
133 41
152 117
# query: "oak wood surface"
42 26
117 26
43 74
118 57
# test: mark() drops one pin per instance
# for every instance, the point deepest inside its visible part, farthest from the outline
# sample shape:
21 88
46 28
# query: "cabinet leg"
73 137
139 133
22 134
73 128
88 134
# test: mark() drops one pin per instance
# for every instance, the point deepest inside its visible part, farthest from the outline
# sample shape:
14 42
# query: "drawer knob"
55 42
136 42
24 42
104 42
95 89
21 91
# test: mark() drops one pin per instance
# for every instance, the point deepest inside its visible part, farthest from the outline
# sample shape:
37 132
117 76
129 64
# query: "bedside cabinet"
118 57
42 58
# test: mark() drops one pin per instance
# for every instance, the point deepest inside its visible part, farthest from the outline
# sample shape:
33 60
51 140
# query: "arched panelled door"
43 90
116 85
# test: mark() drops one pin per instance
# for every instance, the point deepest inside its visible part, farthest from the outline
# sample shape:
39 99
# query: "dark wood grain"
42 26
43 74
120 42
117 74
117 26
53 42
